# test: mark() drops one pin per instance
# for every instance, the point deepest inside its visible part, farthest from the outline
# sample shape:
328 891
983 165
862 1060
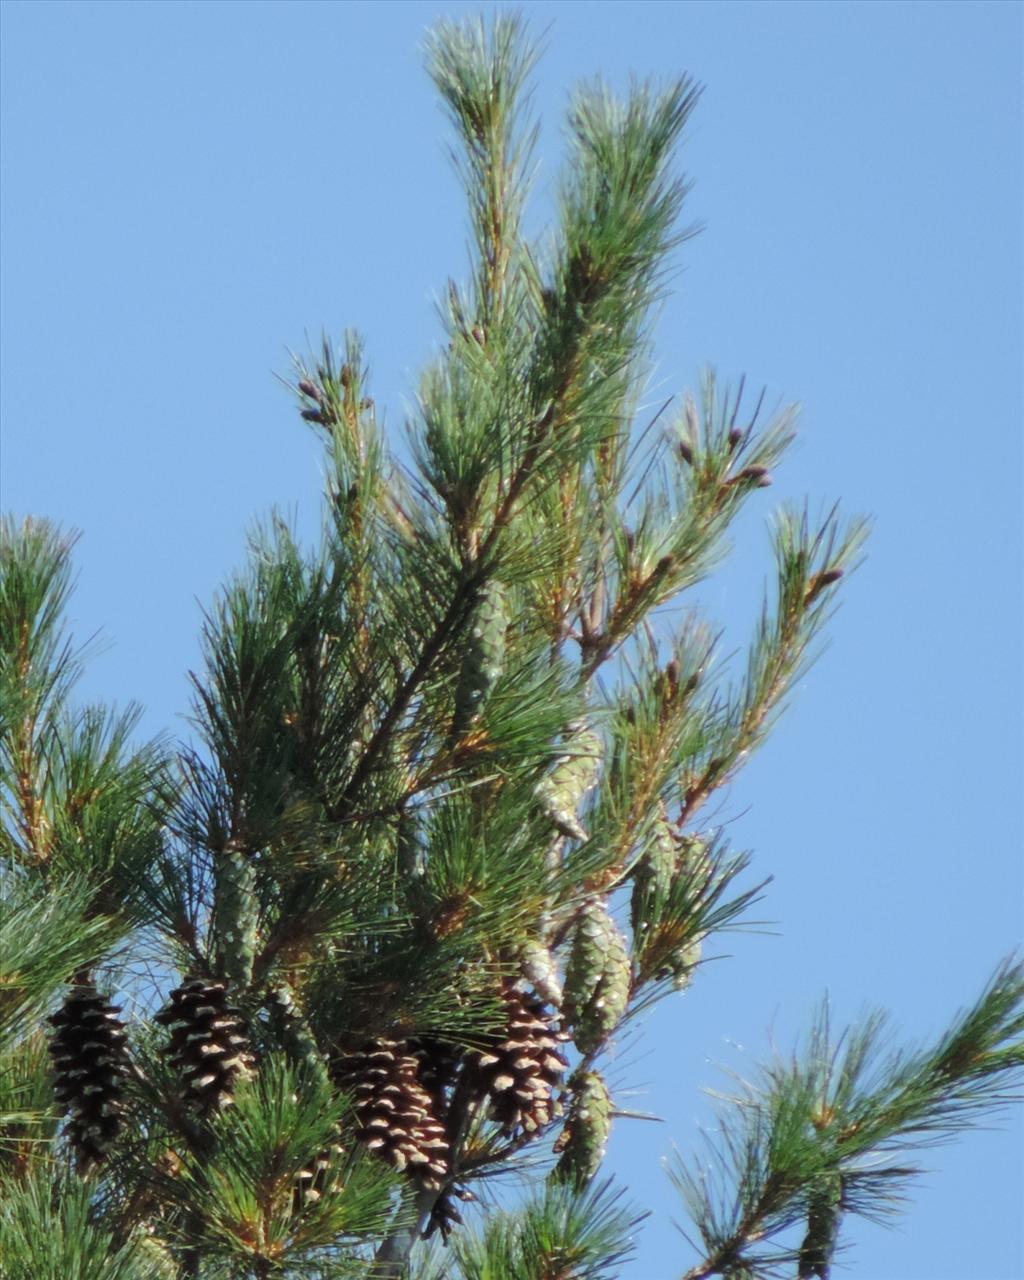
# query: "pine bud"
312 415
734 438
309 389
819 582
685 452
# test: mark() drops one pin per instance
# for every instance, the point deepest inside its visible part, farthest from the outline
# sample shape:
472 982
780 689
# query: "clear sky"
190 188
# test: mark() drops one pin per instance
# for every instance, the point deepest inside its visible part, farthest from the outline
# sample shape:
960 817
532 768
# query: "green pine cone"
684 962
597 979
652 875
236 917
823 1218
484 658
296 1034
693 859
540 971
563 790
584 1138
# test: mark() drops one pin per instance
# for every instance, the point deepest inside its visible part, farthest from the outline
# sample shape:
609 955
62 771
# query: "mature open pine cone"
90 1061
208 1044
437 1066
395 1115
520 1071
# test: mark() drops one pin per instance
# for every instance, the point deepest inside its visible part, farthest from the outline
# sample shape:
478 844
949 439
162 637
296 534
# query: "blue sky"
191 188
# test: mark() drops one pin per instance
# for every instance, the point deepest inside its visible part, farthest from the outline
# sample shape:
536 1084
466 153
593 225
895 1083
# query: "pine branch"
813 1138
811 562
38 667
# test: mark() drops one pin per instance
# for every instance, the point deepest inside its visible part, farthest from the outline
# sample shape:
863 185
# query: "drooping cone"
541 972
823 1219
597 977
395 1115
208 1045
483 659
683 964
652 876
297 1038
90 1061
520 1072
584 1138
563 790
437 1066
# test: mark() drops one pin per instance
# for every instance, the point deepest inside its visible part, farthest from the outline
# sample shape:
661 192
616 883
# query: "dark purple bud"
309 390
686 452
312 415
672 673
819 582
753 473
735 436
664 564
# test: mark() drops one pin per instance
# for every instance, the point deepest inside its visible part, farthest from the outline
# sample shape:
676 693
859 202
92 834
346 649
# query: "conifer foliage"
441 832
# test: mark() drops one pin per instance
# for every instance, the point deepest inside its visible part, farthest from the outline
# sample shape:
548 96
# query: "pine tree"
306 996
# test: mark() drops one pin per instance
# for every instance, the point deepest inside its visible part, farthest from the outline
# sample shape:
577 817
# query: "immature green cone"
297 1038
652 875
584 1138
823 1218
236 917
541 972
90 1062
597 978
484 658
693 859
683 964
563 790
